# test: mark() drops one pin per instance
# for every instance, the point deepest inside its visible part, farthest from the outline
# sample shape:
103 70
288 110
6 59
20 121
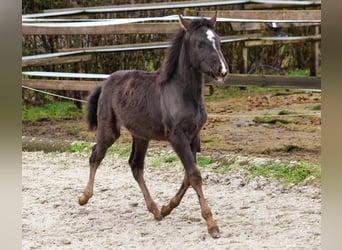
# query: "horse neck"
190 79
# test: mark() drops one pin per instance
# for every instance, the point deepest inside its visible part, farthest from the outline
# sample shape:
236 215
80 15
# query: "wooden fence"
250 23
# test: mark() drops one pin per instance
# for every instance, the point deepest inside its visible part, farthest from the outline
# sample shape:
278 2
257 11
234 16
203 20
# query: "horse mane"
170 63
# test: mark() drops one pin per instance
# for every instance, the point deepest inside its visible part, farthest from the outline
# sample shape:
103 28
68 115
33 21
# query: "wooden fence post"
244 59
315 55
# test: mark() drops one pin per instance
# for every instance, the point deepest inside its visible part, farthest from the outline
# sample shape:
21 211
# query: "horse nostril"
222 70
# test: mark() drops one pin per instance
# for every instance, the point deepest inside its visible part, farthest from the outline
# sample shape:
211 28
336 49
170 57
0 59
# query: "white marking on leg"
211 38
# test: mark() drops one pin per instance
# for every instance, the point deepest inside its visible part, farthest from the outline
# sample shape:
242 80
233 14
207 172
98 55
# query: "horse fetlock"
206 214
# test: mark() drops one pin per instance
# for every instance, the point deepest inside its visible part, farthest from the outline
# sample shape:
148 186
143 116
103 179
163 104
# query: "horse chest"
186 118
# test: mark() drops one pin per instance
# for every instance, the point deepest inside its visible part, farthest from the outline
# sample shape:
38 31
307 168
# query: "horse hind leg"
107 134
175 201
136 161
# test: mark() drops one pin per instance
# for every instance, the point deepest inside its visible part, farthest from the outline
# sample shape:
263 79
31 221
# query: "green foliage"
287 173
80 146
171 158
317 107
270 120
149 66
302 72
203 160
120 149
51 111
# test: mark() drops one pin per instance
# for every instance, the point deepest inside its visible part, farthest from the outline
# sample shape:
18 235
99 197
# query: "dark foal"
163 105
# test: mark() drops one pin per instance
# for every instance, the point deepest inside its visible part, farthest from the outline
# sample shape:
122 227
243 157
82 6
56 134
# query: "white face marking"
211 38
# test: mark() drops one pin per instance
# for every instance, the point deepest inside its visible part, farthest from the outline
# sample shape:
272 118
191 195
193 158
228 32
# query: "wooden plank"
139 45
262 41
60 84
131 28
149 6
265 14
264 6
240 26
301 82
118 46
56 60
258 43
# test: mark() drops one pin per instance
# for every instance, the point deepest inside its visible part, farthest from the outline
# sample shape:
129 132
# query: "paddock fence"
249 23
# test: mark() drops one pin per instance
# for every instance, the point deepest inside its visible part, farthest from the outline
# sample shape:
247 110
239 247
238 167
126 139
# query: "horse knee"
195 177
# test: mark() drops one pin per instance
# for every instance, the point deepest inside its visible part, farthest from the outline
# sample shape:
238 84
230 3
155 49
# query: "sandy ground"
259 214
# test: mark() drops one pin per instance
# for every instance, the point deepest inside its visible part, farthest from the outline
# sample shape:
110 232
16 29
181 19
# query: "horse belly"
144 127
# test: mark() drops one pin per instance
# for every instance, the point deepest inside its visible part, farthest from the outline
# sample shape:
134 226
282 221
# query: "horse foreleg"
187 154
196 182
150 204
136 161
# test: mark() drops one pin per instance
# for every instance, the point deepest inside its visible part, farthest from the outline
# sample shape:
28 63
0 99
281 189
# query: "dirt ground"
255 214
231 127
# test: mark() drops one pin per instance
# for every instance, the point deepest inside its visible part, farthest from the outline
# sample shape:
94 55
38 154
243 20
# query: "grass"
270 120
119 149
171 158
303 72
316 107
203 160
80 146
287 173
52 111
299 72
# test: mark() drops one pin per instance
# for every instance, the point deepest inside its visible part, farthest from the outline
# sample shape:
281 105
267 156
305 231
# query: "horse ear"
213 19
184 23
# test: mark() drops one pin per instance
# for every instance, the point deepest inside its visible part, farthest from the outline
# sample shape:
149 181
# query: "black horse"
163 105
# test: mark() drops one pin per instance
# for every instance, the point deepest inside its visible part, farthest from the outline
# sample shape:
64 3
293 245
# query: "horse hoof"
214 232
158 216
165 210
83 200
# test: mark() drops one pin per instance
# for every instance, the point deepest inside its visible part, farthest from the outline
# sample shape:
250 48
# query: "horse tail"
92 107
